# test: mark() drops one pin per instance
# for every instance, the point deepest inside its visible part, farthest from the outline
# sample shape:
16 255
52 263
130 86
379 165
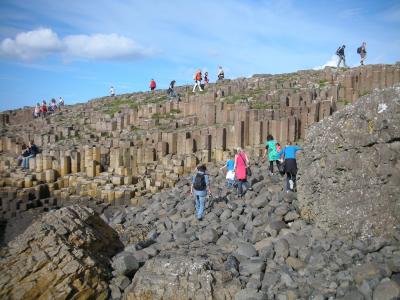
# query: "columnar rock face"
64 255
181 277
350 169
118 149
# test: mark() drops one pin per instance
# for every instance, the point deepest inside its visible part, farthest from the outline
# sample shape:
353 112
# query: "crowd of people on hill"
42 110
238 170
362 51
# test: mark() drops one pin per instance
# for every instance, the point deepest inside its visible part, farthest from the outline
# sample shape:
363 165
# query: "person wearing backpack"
340 53
363 52
271 147
241 171
289 154
197 80
200 188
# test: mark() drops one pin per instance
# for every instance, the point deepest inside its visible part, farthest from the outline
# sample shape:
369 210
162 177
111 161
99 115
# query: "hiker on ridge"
241 171
290 165
153 85
220 74
271 147
36 111
340 53
363 52
197 80
171 92
112 91
200 188
206 80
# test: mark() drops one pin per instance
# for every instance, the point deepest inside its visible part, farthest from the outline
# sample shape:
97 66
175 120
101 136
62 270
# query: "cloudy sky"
78 49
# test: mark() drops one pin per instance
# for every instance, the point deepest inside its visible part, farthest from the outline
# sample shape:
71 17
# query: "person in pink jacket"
241 163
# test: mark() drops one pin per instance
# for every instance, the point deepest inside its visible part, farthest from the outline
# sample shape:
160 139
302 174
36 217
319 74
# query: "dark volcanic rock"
350 172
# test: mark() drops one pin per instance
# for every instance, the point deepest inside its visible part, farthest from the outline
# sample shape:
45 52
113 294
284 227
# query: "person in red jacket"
43 109
153 85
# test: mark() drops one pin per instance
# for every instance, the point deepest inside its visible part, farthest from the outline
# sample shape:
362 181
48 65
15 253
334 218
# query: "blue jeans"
200 201
25 161
230 183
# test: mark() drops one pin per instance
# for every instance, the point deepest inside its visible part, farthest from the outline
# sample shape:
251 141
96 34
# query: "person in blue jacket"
289 155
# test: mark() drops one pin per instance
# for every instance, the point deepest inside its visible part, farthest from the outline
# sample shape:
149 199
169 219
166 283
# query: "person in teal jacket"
289 154
270 146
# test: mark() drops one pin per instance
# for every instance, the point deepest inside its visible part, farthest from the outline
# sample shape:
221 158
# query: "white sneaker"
291 184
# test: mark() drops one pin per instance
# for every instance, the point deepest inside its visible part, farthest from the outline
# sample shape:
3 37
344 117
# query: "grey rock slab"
250 294
246 250
125 263
209 236
386 290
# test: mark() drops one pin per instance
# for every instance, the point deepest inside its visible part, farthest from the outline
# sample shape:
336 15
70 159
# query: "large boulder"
64 255
181 277
350 170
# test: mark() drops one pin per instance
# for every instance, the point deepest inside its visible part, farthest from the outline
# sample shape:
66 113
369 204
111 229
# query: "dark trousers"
271 165
240 184
293 178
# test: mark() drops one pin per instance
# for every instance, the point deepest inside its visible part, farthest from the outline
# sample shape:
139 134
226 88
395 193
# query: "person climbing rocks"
32 151
363 52
171 90
112 91
220 74
271 148
197 80
200 188
230 172
340 53
153 85
240 167
290 165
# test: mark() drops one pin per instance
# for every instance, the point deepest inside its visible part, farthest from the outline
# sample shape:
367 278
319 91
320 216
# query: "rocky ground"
256 247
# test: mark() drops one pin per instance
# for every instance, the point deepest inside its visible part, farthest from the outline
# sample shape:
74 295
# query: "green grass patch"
260 105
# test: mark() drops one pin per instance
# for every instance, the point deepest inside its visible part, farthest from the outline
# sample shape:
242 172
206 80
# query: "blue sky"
78 49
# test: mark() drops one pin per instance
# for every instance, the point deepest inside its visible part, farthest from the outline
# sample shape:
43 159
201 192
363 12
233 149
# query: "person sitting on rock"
153 85
271 147
220 74
24 153
240 167
200 186
230 172
290 165
33 150
53 105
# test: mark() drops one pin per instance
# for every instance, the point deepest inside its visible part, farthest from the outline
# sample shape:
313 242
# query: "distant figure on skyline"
60 102
112 91
53 105
153 85
43 109
363 52
171 90
221 74
340 53
197 80
206 80
36 111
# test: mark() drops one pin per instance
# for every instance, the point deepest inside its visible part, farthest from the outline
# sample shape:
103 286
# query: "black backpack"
359 50
199 182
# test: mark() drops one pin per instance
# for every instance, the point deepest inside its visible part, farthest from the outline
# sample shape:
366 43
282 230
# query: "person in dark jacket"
340 53
24 153
289 154
33 150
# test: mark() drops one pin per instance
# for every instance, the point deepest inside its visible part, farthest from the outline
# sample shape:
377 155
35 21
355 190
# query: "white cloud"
332 62
42 42
31 44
